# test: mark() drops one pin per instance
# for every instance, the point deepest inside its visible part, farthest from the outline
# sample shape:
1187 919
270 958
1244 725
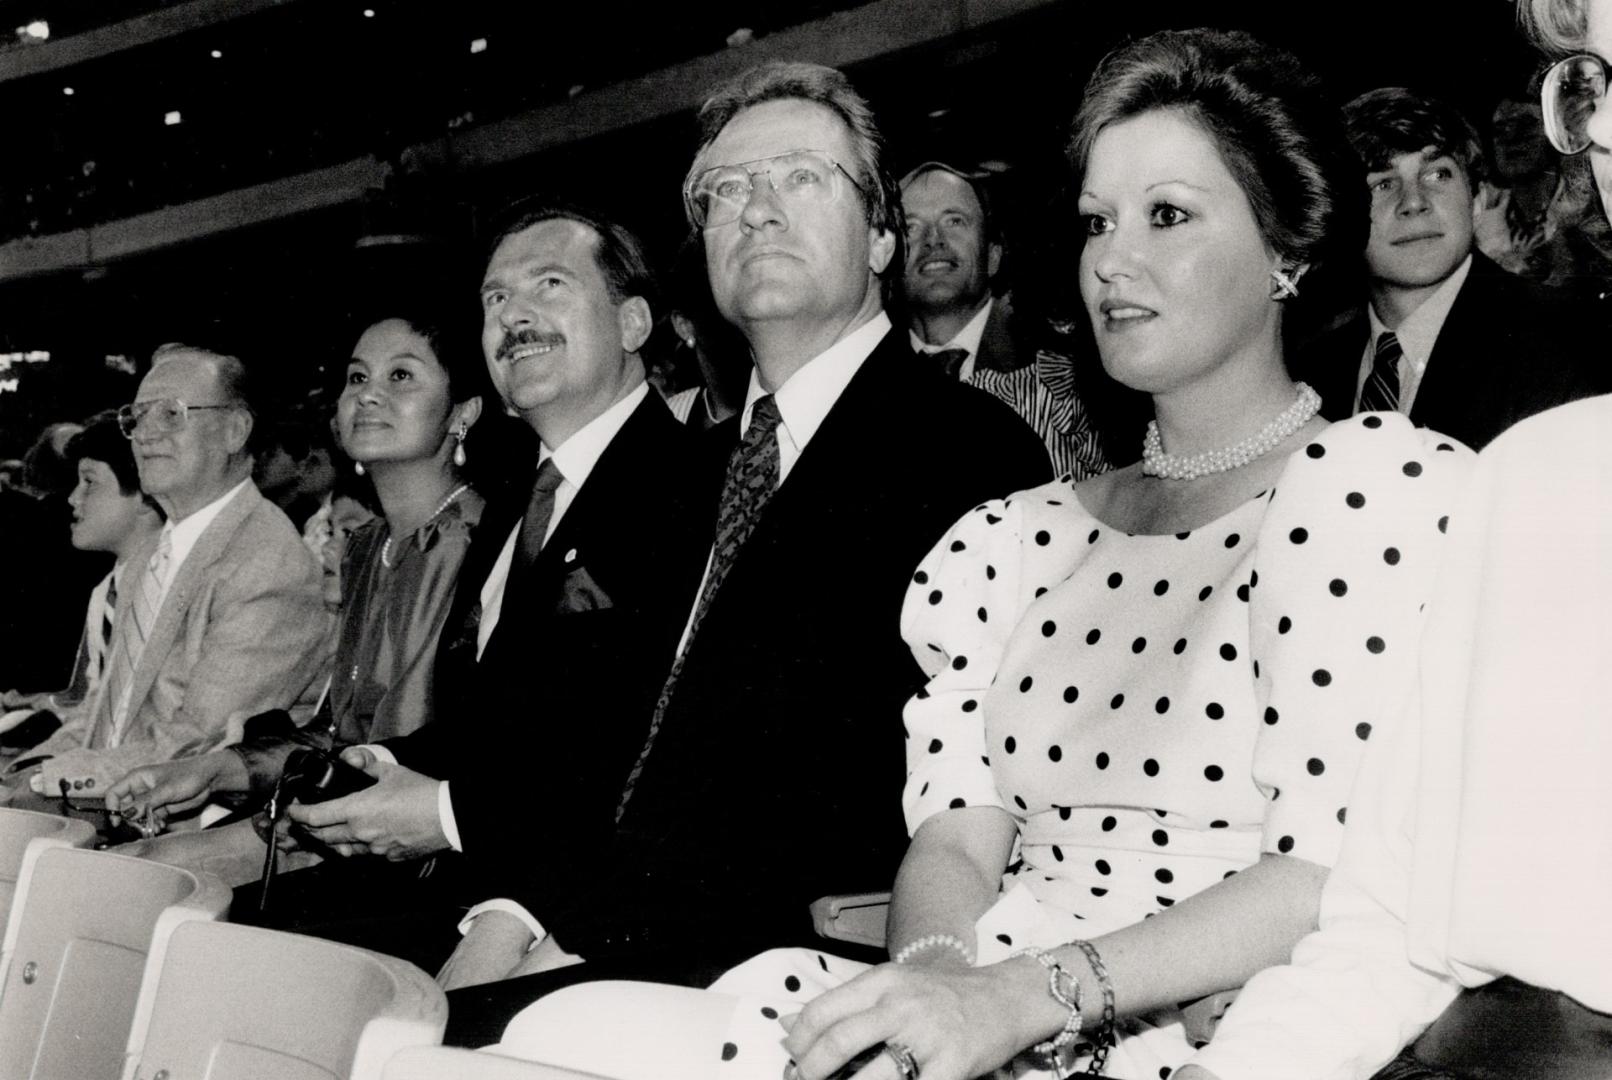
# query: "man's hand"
174 787
495 944
396 817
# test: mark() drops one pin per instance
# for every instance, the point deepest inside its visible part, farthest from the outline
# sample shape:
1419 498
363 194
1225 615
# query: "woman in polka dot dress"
1149 690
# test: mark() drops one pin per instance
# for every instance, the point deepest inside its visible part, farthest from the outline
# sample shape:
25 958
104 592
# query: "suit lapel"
1460 357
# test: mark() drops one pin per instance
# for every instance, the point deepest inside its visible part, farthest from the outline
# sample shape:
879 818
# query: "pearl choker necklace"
386 548
1155 462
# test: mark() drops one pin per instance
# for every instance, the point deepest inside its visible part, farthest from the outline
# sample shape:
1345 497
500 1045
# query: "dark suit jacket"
536 738
1507 350
777 774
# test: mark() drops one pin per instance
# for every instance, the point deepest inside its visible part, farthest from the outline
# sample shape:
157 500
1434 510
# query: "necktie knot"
764 419
158 563
950 361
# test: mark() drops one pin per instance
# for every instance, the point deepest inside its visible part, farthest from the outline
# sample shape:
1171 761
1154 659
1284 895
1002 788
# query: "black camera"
315 776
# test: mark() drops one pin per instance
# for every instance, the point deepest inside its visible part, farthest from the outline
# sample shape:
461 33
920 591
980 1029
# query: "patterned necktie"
751 479
1381 393
950 361
132 631
109 610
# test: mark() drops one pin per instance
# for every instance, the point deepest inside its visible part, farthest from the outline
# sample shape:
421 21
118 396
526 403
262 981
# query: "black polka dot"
1164 901
1025 684
1139 644
1285 844
1041 590
1321 677
1092 635
971 704
992 519
1253 579
1103 867
1019 802
1055 752
1343 815
1161 838
1183 535
1391 556
1375 644
769 1012
1299 535
1412 468
1214 773
1218 824
1233 540
1161 587
1110 823
1043 538
935 746
1180 646
1064 812
1071 694
1354 500
1151 767
1091 538
1049 628
1362 731
1213 710
925 789
1010 744
983 615
1337 586
1095 891
1444 523
1228 651
1373 422
1057 852
1316 450
1005 939
956 804
792 983
1316 766
1115 579
1270 715
729 1051
1163 876
1284 624
1203 593
934 596
921 578
958 545
1116 701
1161 706
1102 760
959 663
990 572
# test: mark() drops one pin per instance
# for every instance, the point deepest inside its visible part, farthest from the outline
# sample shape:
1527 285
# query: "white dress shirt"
1479 840
1417 336
968 339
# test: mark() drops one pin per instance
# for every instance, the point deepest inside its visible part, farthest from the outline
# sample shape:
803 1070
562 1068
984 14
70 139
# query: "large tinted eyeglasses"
163 415
717 196
1573 89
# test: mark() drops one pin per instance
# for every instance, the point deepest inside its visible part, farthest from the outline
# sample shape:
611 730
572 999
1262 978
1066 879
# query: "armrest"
855 917
433 1062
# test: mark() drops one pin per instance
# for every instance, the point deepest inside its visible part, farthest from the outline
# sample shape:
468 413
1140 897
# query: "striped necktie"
1381 392
131 632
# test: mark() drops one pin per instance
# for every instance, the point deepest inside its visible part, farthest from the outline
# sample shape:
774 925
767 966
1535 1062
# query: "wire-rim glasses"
166 415
718 195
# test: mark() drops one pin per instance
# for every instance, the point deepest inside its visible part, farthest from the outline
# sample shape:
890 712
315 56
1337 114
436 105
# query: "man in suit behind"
563 627
774 757
1448 337
220 614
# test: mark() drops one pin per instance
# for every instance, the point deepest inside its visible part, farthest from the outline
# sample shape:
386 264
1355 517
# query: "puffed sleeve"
957 617
1346 561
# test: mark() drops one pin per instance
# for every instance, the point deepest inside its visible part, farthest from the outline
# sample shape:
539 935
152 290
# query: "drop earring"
459 448
358 467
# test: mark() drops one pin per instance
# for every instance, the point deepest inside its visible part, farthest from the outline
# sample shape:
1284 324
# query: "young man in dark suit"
774 762
1448 337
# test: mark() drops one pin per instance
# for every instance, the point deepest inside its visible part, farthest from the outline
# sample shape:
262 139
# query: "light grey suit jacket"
242 629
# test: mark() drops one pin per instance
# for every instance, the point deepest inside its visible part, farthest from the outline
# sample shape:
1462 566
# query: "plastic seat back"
436 1062
17 828
226 1002
74 952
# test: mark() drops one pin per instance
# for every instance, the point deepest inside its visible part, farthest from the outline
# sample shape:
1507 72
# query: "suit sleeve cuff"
509 907
450 824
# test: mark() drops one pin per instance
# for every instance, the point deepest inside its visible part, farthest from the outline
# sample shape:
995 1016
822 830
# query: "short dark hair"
976 184
102 440
453 331
620 255
1393 120
1277 133
783 80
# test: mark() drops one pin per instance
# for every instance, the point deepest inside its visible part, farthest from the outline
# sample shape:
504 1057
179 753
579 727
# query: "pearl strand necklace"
1155 462
386 548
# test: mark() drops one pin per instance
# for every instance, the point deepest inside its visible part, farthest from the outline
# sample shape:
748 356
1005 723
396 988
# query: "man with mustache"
568 609
1448 337
954 251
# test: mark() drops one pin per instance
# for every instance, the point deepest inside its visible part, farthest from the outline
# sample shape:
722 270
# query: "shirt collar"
182 535
576 456
805 399
1421 327
967 339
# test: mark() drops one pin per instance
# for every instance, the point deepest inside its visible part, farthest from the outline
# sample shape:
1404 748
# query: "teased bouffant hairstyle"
1277 133
1384 123
782 80
1556 26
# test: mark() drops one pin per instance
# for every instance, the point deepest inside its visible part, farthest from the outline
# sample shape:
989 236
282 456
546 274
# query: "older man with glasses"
219 615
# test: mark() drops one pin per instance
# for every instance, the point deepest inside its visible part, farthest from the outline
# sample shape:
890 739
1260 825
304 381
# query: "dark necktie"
950 360
1381 392
751 479
539 511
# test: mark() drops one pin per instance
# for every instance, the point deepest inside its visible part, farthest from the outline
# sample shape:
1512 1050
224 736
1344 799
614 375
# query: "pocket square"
579 592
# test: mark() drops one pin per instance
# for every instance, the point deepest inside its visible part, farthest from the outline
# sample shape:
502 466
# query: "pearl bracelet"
1065 990
929 941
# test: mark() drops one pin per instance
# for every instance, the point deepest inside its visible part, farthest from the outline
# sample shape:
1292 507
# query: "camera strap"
276 809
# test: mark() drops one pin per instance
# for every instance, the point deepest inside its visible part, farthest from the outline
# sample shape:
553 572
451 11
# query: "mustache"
518 338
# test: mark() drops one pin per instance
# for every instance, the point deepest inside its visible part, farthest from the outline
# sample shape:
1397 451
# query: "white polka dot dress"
1157 711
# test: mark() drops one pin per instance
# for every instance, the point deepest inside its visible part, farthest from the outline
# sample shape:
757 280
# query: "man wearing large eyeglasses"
773 764
220 614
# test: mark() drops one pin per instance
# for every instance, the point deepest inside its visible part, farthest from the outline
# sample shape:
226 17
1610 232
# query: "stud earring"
1287 286
358 467
459 448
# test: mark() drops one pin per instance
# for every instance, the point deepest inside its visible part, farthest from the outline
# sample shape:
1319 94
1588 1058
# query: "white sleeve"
509 907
